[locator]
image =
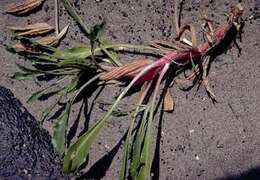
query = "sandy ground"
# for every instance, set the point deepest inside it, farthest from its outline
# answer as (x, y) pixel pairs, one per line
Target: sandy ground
(199, 140)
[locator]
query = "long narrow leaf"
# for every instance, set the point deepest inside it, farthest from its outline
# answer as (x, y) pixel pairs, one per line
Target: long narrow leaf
(34, 44)
(128, 143)
(56, 71)
(80, 52)
(60, 130)
(73, 84)
(35, 96)
(145, 159)
(23, 76)
(75, 16)
(27, 70)
(78, 152)
(48, 110)
(113, 57)
(80, 63)
(137, 146)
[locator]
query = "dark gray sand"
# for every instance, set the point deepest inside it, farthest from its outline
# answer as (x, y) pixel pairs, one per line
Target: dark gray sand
(25, 151)
(199, 140)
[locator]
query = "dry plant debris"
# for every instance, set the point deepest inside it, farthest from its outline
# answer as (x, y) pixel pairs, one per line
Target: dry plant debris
(32, 29)
(23, 7)
(53, 40)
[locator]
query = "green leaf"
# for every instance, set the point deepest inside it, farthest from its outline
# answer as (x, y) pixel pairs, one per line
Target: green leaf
(145, 159)
(113, 57)
(78, 151)
(26, 70)
(117, 112)
(35, 96)
(110, 52)
(75, 16)
(46, 112)
(81, 52)
(60, 130)
(193, 64)
(67, 89)
(123, 169)
(31, 72)
(94, 36)
(41, 58)
(73, 84)
(127, 145)
(23, 76)
(84, 64)
(137, 145)
(97, 32)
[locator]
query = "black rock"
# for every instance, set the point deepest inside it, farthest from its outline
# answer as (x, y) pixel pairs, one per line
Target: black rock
(26, 151)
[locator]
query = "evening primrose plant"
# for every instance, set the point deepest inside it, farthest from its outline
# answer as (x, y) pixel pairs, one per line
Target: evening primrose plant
(67, 67)
(99, 59)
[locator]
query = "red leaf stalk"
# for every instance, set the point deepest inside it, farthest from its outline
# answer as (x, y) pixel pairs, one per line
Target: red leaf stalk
(183, 56)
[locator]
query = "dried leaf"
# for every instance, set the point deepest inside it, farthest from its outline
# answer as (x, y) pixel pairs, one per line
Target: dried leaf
(23, 7)
(168, 103)
(53, 40)
(28, 27)
(63, 32)
(32, 29)
(48, 40)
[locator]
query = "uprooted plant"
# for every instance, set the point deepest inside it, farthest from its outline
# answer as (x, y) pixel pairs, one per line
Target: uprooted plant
(73, 64)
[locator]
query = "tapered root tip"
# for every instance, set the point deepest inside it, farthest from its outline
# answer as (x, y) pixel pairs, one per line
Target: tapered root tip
(239, 7)
(237, 11)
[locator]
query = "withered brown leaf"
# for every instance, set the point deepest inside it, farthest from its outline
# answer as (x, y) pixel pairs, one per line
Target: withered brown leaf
(48, 40)
(53, 40)
(32, 29)
(23, 7)
(168, 103)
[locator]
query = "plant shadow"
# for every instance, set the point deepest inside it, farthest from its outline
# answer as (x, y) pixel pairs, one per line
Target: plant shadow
(99, 169)
(87, 111)
(251, 174)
